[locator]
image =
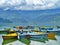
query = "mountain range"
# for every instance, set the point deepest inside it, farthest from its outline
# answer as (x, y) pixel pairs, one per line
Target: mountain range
(37, 17)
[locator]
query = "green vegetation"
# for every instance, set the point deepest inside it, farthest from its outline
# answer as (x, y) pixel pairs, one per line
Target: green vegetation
(24, 40)
(3, 32)
(7, 29)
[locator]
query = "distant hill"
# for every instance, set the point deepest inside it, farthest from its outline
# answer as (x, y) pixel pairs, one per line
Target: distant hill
(50, 19)
(19, 20)
(39, 17)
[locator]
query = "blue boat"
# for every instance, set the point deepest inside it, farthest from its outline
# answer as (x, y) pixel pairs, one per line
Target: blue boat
(33, 35)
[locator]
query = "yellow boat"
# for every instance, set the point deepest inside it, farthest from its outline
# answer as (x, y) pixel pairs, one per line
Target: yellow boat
(51, 36)
(11, 31)
(10, 36)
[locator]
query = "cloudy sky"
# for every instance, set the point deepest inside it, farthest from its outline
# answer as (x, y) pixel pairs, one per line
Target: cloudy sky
(37, 14)
(29, 4)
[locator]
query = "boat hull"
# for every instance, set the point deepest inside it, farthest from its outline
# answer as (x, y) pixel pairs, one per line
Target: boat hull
(9, 37)
(51, 36)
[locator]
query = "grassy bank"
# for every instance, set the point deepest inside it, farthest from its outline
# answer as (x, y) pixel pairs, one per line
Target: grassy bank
(3, 32)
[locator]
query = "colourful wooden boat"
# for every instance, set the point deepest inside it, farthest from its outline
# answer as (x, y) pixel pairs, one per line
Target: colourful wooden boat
(9, 36)
(35, 35)
(51, 36)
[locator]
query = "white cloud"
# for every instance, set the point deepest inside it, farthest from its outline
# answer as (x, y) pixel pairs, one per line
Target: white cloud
(29, 4)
